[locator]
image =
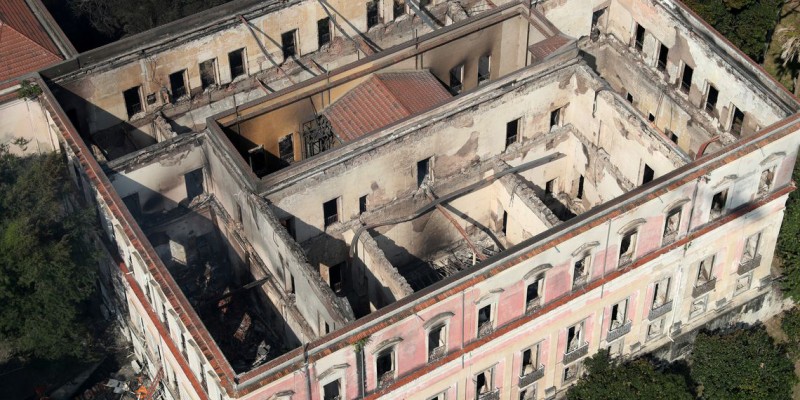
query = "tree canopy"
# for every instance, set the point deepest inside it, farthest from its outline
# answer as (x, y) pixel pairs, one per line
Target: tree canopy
(786, 248)
(745, 364)
(636, 379)
(46, 265)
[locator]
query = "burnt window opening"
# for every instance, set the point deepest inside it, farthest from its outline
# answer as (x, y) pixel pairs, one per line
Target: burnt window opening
(529, 393)
(289, 223)
(290, 284)
(627, 248)
(648, 174)
(398, 9)
(457, 79)
(660, 293)
(530, 360)
(533, 294)
(483, 383)
(504, 226)
(236, 62)
(423, 171)
(579, 195)
(384, 365)
(484, 68)
(574, 337)
(711, 99)
(336, 278)
(686, 78)
(512, 131)
(239, 215)
(629, 97)
(718, 203)
(663, 56)
(373, 18)
(580, 270)
(651, 117)
(286, 149)
(705, 270)
(639, 39)
(288, 44)
(750, 251)
(330, 211)
(257, 158)
(194, 183)
(766, 180)
(436, 342)
(331, 391)
(550, 187)
(737, 121)
(323, 31)
(132, 203)
(655, 329)
(672, 225)
(571, 373)
(672, 136)
(208, 73)
(317, 136)
(484, 320)
(555, 118)
(133, 101)
(618, 314)
(596, 17)
(177, 85)
(362, 204)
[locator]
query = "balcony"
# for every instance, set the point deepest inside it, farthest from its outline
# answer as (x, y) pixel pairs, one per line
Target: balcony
(670, 237)
(704, 287)
(748, 265)
(576, 354)
(618, 332)
(533, 305)
(436, 353)
(493, 395)
(485, 329)
(658, 311)
(534, 376)
(579, 281)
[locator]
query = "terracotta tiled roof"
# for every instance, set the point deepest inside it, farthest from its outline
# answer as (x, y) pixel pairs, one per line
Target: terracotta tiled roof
(540, 51)
(383, 99)
(25, 45)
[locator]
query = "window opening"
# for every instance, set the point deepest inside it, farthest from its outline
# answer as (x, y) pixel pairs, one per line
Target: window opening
(208, 73)
(648, 174)
(288, 44)
(512, 130)
(423, 170)
(718, 203)
(323, 32)
(686, 78)
(639, 41)
(133, 101)
(663, 55)
(484, 68)
(330, 209)
(579, 195)
(372, 14)
(177, 83)
(555, 118)
(711, 98)
(457, 79)
(738, 121)
(236, 61)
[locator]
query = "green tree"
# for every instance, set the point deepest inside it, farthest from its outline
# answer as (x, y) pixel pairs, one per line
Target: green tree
(636, 379)
(786, 248)
(790, 324)
(46, 265)
(745, 364)
(748, 24)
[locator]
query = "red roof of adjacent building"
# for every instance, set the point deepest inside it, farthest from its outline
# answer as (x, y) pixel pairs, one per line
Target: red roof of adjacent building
(541, 50)
(25, 45)
(384, 98)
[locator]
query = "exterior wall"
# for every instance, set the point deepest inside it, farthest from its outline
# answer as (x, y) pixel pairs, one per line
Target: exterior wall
(27, 120)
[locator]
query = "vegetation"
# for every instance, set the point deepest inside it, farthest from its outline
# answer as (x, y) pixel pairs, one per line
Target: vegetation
(744, 364)
(28, 90)
(636, 379)
(786, 248)
(46, 266)
(748, 24)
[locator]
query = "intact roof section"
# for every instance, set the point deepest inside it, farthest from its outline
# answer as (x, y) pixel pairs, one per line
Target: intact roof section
(25, 45)
(541, 50)
(17, 14)
(383, 99)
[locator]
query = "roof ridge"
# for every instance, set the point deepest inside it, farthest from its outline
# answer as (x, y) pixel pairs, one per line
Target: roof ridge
(394, 97)
(29, 39)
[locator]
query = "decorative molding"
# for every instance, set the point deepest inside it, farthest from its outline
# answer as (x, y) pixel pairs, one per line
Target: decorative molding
(539, 269)
(436, 319)
(631, 225)
(773, 158)
(676, 204)
(584, 247)
(386, 344)
(330, 371)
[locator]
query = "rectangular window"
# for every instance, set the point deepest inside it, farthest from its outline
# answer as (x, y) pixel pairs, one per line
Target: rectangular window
(571, 372)
(194, 183)
(751, 247)
(672, 136)
(286, 149)
(323, 31)
(550, 187)
(208, 73)
(686, 78)
(457, 79)
(660, 293)
(236, 61)
(651, 117)
(619, 313)
(705, 270)
(483, 383)
(133, 101)
(765, 182)
(423, 170)
(504, 226)
(485, 320)
(437, 344)
(288, 45)
(133, 205)
(629, 97)
(579, 195)
(332, 391)
(290, 284)
(362, 204)
(398, 9)
(648, 174)
(533, 294)
(529, 393)
(484, 68)
(655, 328)
(718, 204)
(737, 121)
(288, 223)
(627, 248)
(711, 99)
(384, 366)
(580, 271)
(555, 118)
(639, 39)
(743, 284)
(663, 56)
(330, 210)
(575, 337)
(177, 84)
(698, 307)
(373, 18)
(512, 130)
(671, 225)
(530, 360)
(336, 278)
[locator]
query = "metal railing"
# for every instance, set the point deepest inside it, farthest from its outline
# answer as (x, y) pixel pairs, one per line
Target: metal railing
(576, 354)
(656, 312)
(531, 377)
(749, 265)
(619, 332)
(704, 287)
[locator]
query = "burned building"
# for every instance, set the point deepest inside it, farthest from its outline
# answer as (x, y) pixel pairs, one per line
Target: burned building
(436, 200)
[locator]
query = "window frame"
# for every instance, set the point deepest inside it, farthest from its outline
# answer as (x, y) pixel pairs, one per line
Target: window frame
(128, 107)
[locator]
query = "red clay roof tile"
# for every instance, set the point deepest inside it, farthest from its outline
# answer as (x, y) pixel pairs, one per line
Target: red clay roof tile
(25, 45)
